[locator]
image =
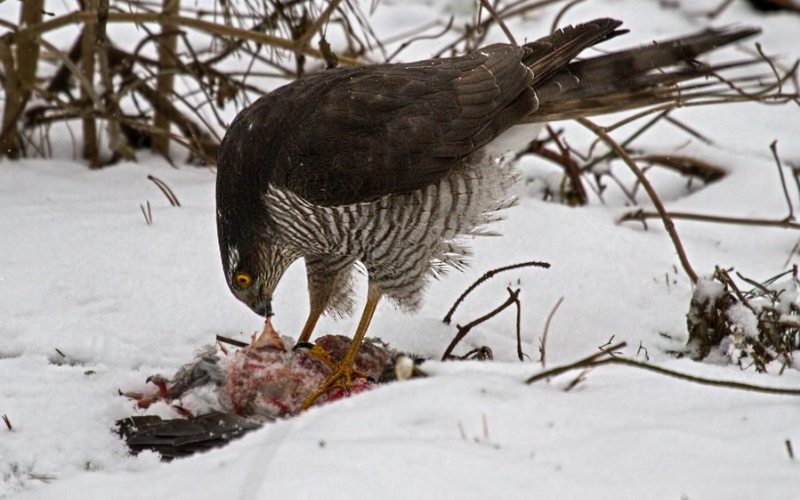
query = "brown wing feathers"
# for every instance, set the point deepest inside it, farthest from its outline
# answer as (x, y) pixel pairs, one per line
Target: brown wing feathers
(630, 78)
(355, 134)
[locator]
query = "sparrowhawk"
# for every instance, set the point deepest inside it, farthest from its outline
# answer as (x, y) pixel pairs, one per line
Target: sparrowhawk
(386, 164)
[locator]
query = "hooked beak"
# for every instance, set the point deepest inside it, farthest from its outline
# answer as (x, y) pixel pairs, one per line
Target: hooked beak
(263, 308)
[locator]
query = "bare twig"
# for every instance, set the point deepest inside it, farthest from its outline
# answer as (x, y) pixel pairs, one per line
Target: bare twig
(590, 363)
(643, 348)
(302, 42)
(88, 40)
(112, 108)
(409, 39)
(774, 148)
(689, 130)
(685, 165)
(167, 46)
(668, 224)
(487, 275)
(233, 342)
(792, 252)
(642, 215)
(543, 340)
(148, 214)
(464, 330)
(499, 20)
(19, 77)
(155, 17)
(482, 353)
(577, 195)
(582, 363)
(561, 13)
(713, 14)
(173, 200)
(577, 380)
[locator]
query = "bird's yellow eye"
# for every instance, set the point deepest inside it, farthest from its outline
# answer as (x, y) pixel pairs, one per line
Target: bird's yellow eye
(243, 280)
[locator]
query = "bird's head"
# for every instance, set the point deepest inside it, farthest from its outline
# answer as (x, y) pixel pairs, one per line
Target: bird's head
(253, 272)
(252, 259)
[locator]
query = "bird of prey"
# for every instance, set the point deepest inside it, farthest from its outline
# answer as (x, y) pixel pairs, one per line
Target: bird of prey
(386, 165)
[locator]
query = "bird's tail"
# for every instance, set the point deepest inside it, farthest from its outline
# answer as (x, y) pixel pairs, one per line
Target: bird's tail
(662, 72)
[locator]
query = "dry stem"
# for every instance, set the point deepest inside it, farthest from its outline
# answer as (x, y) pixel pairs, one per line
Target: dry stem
(464, 330)
(486, 276)
(668, 224)
(642, 215)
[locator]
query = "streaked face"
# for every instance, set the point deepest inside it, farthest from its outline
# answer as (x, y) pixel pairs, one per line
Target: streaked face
(246, 279)
(253, 273)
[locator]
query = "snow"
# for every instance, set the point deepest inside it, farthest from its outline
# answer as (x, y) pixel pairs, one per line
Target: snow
(81, 272)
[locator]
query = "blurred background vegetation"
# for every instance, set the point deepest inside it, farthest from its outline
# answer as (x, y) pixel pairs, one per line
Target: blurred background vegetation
(157, 74)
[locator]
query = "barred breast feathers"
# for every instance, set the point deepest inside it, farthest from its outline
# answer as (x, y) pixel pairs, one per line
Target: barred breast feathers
(405, 239)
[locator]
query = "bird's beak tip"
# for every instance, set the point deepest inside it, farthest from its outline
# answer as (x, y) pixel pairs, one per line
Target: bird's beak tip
(264, 308)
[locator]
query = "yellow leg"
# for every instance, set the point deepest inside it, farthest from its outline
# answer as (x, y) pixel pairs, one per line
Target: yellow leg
(343, 371)
(311, 322)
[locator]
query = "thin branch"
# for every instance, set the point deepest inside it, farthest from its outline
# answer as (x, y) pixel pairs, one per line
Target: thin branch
(521, 355)
(464, 330)
(146, 17)
(642, 215)
(774, 148)
(499, 20)
(487, 275)
(165, 78)
(668, 224)
(410, 39)
(571, 169)
(83, 79)
(302, 42)
(561, 13)
(233, 342)
(641, 130)
(582, 363)
(148, 213)
(173, 200)
(792, 252)
(689, 130)
(591, 363)
(543, 341)
(685, 165)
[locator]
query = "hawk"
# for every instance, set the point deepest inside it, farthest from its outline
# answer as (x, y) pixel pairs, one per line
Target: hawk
(386, 165)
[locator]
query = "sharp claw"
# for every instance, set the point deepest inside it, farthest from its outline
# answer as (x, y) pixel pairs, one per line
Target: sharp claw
(303, 345)
(343, 375)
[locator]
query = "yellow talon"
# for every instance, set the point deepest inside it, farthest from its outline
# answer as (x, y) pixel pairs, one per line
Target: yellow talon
(343, 375)
(343, 371)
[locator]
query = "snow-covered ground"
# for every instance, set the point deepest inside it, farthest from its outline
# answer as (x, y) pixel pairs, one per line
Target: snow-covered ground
(82, 273)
